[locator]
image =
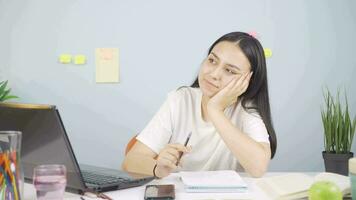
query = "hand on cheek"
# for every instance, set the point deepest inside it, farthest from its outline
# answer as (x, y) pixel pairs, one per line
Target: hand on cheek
(229, 94)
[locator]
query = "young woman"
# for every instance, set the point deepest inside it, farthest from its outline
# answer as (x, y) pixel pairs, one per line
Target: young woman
(226, 110)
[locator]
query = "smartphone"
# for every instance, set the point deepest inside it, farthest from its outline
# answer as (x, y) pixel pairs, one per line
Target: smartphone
(153, 192)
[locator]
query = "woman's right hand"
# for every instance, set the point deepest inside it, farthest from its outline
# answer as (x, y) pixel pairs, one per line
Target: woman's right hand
(167, 159)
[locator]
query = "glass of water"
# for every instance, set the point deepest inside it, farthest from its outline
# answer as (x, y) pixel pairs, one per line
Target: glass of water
(50, 181)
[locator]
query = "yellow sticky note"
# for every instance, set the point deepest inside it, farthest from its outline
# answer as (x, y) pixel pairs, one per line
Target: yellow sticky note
(65, 58)
(268, 52)
(79, 59)
(107, 65)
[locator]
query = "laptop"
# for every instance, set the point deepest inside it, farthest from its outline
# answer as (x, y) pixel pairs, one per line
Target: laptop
(45, 141)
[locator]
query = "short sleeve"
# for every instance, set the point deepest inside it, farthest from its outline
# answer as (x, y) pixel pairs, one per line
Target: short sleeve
(159, 130)
(254, 127)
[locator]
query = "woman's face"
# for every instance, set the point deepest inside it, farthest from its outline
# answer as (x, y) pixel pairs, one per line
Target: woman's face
(225, 61)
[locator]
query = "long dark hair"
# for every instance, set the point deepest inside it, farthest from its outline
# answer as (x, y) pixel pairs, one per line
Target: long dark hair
(257, 91)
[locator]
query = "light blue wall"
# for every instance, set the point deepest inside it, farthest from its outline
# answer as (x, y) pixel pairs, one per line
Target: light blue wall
(162, 44)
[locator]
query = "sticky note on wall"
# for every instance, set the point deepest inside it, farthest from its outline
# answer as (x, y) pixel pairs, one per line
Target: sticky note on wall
(79, 59)
(65, 58)
(107, 65)
(253, 34)
(268, 52)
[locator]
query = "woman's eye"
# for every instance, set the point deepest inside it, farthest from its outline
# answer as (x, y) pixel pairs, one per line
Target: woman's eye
(230, 71)
(211, 60)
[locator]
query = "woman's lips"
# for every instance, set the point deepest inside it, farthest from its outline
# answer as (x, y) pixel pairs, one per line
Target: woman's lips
(211, 85)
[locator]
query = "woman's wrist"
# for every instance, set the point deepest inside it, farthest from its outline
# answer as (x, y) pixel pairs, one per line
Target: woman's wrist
(212, 107)
(213, 110)
(215, 115)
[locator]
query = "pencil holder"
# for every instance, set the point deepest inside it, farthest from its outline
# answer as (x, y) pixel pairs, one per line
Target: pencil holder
(11, 175)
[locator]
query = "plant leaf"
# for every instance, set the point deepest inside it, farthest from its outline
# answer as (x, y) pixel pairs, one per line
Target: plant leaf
(2, 87)
(10, 97)
(6, 92)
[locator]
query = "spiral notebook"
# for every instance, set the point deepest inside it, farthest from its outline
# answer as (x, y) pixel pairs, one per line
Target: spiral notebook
(213, 181)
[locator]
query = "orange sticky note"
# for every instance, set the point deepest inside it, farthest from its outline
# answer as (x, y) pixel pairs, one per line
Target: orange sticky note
(106, 53)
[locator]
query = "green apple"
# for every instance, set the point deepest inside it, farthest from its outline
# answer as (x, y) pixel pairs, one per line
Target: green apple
(324, 190)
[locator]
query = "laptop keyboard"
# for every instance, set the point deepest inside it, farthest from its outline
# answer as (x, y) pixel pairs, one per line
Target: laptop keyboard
(101, 179)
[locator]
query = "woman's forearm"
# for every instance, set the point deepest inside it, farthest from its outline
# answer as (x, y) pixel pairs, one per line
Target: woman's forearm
(138, 163)
(253, 156)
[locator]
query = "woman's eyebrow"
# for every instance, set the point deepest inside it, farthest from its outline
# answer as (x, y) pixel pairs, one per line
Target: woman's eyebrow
(230, 65)
(212, 53)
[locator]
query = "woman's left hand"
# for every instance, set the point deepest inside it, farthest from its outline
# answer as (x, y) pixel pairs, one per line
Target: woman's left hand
(229, 94)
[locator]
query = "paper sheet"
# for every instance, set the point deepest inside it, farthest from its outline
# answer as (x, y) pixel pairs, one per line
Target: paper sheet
(107, 65)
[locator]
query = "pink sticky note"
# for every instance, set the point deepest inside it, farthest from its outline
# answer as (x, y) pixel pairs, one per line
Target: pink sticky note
(253, 34)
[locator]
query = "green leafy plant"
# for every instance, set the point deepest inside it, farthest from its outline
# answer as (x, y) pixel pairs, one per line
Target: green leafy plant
(4, 92)
(339, 129)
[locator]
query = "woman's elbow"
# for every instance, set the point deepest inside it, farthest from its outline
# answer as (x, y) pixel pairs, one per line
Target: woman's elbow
(257, 173)
(125, 165)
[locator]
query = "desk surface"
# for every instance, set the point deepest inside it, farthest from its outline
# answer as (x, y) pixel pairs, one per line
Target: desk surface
(138, 192)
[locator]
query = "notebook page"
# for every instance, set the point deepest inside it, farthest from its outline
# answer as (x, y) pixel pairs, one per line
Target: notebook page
(285, 185)
(342, 181)
(223, 178)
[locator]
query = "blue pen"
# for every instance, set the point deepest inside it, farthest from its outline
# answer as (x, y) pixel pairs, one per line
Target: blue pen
(185, 144)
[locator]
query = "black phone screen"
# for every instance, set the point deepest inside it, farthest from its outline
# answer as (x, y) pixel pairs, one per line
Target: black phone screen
(159, 192)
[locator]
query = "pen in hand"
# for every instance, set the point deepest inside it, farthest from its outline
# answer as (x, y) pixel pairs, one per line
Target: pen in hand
(185, 144)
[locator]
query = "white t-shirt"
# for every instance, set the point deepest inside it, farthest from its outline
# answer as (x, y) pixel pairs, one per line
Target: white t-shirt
(181, 114)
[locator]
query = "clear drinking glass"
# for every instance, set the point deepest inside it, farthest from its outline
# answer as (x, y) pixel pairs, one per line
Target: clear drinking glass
(50, 181)
(11, 175)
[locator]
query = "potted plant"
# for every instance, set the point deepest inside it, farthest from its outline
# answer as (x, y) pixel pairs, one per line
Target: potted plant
(339, 131)
(4, 92)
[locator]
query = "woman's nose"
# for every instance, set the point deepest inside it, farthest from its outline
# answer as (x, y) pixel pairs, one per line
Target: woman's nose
(216, 73)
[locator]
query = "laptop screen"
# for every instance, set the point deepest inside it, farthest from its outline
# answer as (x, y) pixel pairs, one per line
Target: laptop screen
(43, 139)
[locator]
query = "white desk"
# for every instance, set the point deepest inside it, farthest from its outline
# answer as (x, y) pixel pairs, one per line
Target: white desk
(137, 193)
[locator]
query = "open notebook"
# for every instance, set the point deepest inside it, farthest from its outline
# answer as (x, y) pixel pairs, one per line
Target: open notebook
(213, 181)
(296, 185)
